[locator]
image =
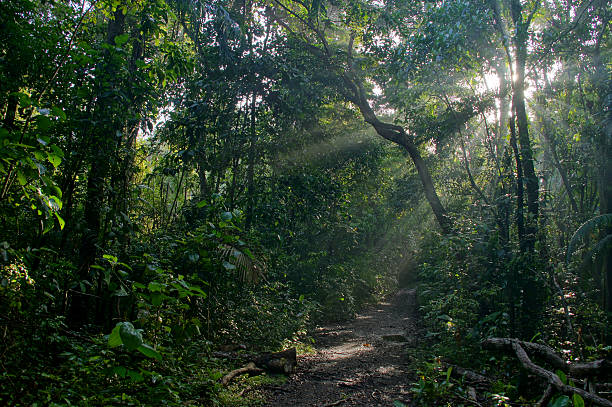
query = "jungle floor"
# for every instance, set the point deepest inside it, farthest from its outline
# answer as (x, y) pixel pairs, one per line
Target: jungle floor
(359, 363)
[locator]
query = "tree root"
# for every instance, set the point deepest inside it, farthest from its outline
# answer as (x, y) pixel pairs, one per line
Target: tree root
(549, 355)
(250, 369)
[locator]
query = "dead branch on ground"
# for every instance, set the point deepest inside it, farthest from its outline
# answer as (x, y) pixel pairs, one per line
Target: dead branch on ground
(520, 348)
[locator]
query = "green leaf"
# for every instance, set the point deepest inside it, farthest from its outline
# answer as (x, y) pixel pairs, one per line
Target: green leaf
(577, 400)
(226, 216)
(156, 299)
(110, 258)
(120, 371)
(562, 401)
(198, 290)
(114, 339)
(562, 376)
(228, 266)
(398, 404)
(54, 159)
(131, 337)
(43, 123)
(58, 112)
(21, 178)
(61, 221)
(135, 376)
(57, 151)
(155, 286)
(148, 351)
(121, 39)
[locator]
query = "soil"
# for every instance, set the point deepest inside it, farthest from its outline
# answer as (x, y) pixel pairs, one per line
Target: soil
(359, 363)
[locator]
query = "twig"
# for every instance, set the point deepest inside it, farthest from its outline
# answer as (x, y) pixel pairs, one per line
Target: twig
(336, 403)
(468, 400)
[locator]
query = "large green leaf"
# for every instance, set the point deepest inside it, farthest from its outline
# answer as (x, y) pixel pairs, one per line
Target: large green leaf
(562, 401)
(131, 337)
(148, 351)
(60, 220)
(114, 339)
(121, 39)
(54, 159)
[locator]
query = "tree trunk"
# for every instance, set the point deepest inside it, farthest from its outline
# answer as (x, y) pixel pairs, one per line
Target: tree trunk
(518, 102)
(101, 158)
(355, 93)
(605, 179)
(520, 219)
(251, 167)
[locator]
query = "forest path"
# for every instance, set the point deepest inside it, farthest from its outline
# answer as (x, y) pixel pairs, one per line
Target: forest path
(359, 363)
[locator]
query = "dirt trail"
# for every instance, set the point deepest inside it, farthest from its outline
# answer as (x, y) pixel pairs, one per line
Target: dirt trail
(360, 363)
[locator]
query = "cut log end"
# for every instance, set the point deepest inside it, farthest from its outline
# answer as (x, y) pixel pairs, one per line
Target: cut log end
(279, 362)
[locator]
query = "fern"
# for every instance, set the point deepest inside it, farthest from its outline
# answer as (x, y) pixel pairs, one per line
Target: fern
(586, 229)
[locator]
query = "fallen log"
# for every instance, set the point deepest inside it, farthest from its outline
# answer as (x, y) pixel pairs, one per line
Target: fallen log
(278, 362)
(600, 367)
(554, 382)
(250, 369)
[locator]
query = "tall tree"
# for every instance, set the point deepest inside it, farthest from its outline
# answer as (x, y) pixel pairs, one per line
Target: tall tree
(316, 34)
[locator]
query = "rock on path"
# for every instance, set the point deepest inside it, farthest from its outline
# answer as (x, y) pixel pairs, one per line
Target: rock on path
(360, 363)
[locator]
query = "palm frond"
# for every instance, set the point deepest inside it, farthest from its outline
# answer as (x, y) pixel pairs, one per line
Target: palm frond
(585, 230)
(249, 269)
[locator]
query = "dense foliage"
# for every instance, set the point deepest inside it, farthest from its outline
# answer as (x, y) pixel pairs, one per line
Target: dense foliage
(178, 175)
